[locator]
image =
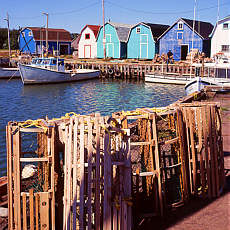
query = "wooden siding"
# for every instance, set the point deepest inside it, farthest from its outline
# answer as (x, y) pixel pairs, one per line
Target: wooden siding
(170, 42)
(141, 49)
(112, 43)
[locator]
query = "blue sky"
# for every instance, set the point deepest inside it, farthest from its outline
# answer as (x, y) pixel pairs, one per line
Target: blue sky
(73, 15)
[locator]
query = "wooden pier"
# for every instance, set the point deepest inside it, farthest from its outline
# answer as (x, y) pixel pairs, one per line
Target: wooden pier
(95, 172)
(139, 70)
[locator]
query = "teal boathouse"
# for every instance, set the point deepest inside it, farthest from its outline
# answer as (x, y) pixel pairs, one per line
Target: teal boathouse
(142, 41)
(116, 37)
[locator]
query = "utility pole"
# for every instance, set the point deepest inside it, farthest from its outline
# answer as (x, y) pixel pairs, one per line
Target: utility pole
(8, 25)
(47, 18)
(103, 10)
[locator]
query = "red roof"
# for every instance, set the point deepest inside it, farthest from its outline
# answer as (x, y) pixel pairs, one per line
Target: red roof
(94, 28)
(53, 34)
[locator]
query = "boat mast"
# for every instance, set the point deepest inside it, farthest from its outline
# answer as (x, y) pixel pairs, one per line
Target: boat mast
(47, 18)
(103, 10)
(193, 28)
(8, 26)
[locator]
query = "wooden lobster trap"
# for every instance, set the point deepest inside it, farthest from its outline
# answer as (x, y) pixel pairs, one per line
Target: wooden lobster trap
(30, 170)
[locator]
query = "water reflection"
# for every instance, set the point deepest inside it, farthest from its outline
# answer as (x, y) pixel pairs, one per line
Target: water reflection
(19, 103)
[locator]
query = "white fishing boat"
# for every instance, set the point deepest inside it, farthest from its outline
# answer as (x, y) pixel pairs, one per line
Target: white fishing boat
(52, 70)
(6, 73)
(198, 83)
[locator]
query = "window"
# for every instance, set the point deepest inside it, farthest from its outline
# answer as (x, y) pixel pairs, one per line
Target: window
(179, 35)
(87, 36)
(225, 48)
(180, 25)
(225, 26)
(138, 30)
(30, 33)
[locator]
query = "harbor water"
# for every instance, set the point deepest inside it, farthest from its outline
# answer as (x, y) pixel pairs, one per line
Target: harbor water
(19, 103)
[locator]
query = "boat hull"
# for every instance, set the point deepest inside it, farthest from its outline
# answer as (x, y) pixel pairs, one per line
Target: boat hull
(37, 75)
(164, 79)
(199, 83)
(6, 73)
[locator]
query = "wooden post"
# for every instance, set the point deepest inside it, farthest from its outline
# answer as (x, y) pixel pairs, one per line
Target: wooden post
(24, 211)
(44, 209)
(157, 160)
(31, 198)
(9, 176)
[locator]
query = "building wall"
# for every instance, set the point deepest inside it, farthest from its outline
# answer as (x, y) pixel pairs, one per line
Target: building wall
(170, 41)
(141, 45)
(87, 42)
(113, 47)
(27, 43)
(220, 37)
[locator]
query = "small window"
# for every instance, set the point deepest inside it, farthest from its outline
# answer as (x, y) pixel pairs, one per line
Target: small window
(30, 33)
(138, 30)
(225, 26)
(87, 36)
(225, 48)
(180, 25)
(179, 36)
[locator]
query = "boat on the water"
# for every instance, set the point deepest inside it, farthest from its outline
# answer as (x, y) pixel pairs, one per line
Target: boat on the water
(6, 73)
(52, 70)
(198, 83)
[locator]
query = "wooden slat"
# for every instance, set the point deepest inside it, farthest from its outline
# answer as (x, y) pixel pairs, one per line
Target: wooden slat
(183, 153)
(37, 210)
(215, 148)
(52, 152)
(157, 161)
(31, 199)
(44, 210)
(75, 154)
(211, 148)
(200, 145)
(90, 154)
(82, 170)
(194, 169)
(97, 192)
(9, 176)
(17, 179)
(205, 134)
(24, 212)
(106, 213)
(42, 159)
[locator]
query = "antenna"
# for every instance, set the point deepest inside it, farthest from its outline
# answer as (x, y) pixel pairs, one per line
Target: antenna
(8, 26)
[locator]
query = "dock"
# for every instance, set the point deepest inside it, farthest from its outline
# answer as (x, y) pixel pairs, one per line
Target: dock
(142, 70)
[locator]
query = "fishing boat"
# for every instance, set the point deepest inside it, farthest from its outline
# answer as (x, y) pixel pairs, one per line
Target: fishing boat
(52, 70)
(6, 73)
(198, 83)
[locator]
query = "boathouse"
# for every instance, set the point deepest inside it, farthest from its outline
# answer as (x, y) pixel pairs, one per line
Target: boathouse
(116, 37)
(142, 41)
(220, 37)
(180, 38)
(87, 47)
(32, 40)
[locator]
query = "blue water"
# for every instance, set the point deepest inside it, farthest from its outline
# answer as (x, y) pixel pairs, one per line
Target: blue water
(19, 103)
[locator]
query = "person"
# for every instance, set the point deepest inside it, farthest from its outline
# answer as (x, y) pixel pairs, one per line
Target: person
(169, 57)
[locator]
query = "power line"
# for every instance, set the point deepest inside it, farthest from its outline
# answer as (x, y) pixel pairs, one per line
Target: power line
(163, 12)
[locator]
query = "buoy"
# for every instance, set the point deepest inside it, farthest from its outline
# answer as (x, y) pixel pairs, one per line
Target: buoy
(28, 171)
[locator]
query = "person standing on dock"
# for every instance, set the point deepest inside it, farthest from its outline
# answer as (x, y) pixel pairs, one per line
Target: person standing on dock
(169, 57)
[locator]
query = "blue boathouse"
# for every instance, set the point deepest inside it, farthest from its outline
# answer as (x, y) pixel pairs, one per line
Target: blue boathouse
(142, 41)
(179, 38)
(32, 40)
(116, 36)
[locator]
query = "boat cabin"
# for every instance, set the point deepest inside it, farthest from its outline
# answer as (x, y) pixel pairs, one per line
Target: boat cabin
(49, 63)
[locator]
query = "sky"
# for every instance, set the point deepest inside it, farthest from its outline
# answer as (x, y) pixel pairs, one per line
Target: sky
(73, 15)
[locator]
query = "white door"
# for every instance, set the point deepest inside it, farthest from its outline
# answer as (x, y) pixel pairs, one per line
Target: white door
(87, 51)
